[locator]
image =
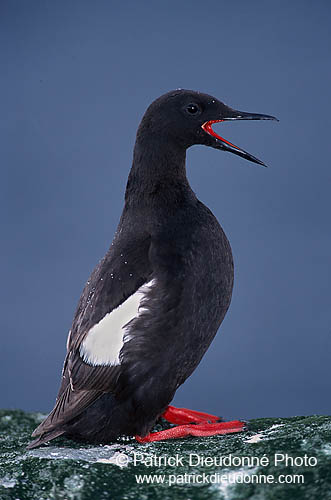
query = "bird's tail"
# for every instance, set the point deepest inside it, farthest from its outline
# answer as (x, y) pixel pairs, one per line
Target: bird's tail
(44, 438)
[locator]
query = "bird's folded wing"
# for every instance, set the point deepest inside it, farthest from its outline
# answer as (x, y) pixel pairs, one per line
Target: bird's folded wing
(92, 378)
(85, 378)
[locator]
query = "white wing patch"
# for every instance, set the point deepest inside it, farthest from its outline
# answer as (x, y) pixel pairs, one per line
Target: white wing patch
(104, 341)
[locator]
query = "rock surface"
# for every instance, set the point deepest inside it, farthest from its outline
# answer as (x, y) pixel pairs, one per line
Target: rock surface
(276, 458)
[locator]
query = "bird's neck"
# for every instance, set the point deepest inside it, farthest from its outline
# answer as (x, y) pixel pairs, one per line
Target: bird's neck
(158, 174)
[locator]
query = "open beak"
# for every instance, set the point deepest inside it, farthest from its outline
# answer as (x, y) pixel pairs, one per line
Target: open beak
(228, 146)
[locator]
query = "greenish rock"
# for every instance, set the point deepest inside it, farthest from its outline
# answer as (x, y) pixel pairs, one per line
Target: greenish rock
(294, 450)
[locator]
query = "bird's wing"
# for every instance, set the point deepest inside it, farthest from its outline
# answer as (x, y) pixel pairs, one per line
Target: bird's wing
(109, 301)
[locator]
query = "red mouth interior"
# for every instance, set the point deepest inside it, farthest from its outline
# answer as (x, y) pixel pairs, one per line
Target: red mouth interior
(207, 128)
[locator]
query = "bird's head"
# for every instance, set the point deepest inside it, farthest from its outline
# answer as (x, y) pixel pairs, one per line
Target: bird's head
(186, 117)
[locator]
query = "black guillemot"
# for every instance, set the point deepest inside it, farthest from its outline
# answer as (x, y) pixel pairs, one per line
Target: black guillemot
(154, 303)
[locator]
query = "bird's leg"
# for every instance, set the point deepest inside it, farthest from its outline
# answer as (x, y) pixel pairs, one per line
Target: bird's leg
(202, 429)
(184, 416)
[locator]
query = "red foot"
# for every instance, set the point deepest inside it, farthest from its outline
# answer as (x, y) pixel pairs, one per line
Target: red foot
(184, 416)
(202, 429)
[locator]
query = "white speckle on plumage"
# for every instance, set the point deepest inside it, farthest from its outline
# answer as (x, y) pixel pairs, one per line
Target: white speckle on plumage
(104, 341)
(70, 375)
(68, 339)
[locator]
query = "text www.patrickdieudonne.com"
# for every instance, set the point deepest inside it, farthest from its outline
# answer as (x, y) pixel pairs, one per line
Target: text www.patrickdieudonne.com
(237, 477)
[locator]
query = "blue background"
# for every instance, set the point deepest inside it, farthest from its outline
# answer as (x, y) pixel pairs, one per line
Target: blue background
(76, 78)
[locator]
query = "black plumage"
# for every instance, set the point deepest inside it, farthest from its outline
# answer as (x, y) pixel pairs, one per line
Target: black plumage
(168, 239)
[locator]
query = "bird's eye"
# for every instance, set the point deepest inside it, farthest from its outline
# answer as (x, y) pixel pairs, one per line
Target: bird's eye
(193, 109)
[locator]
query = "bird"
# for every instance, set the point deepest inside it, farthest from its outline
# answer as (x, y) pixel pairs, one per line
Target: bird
(154, 303)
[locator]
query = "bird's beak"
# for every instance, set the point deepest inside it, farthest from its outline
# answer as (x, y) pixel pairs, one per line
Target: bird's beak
(228, 146)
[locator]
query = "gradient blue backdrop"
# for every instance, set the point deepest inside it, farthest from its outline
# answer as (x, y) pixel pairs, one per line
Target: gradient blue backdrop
(76, 78)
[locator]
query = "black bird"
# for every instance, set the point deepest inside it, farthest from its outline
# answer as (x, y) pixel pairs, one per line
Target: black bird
(154, 303)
